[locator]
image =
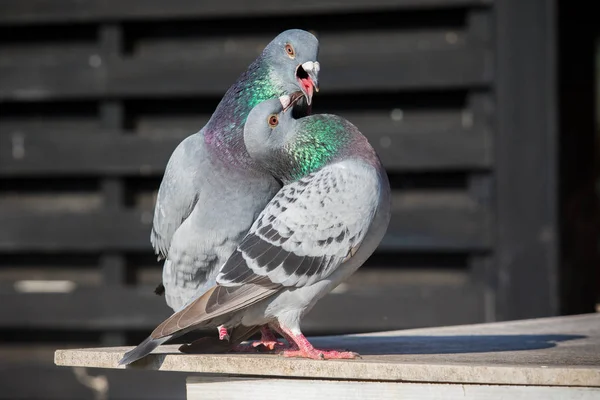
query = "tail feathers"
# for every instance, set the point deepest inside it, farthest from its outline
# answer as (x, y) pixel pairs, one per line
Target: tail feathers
(142, 350)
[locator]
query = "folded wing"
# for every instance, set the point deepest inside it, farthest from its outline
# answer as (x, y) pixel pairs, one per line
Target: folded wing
(304, 233)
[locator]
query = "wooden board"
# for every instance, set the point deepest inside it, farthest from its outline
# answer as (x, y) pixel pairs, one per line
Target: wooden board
(415, 225)
(308, 389)
(402, 146)
(53, 383)
(40, 11)
(560, 351)
(528, 229)
(131, 77)
(380, 307)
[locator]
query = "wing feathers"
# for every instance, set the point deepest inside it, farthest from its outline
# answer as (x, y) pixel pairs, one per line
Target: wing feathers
(298, 239)
(178, 193)
(216, 302)
(308, 228)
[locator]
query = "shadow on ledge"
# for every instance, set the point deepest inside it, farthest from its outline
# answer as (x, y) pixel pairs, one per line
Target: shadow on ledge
(414, 345)
(453, 344)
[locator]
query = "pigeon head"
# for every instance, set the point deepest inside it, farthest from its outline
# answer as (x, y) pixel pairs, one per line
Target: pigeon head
(292, 55)
(291, 148)
(266, 129)
(286, 66)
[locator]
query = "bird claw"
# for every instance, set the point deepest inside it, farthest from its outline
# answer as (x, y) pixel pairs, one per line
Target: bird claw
(269, 344)
(223, 334)
(260, 347)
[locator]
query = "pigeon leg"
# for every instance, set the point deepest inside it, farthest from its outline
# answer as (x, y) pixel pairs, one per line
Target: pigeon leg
(268, 339)
(292, 344)
(306, 350)
(223, 334)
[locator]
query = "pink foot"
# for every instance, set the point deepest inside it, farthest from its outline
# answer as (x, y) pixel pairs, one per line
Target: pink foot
(268, 340)
(259, 347)
(270, 345)
(267, 343)
(317, 354)
(223, 334)
(301, 347)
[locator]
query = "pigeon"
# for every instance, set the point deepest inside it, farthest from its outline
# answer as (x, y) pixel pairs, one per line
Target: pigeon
(212, 191)
(322, 225)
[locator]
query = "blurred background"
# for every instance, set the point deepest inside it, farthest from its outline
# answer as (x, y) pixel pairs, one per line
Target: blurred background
(484, 114)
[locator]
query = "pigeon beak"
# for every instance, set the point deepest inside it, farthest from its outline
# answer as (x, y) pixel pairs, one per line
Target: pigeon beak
(285, 101)
(288, 102)
(307, 75)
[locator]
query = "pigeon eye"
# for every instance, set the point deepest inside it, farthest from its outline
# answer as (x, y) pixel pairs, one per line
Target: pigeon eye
(273, 120)
(289, 49)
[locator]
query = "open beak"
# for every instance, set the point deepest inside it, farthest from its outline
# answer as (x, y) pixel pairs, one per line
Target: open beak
(307, 75)
(288, 102)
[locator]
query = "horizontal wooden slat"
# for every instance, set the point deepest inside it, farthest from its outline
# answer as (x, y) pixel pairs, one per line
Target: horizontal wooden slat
(385, 72)
(375, 307)
(108, 308)
(426, 222)
(52, 382)
(44, 53)
(425, 145)
(60, 232)
(42, 11)
(51, 81)
(238, 48)
(88, 275)
(401, 307)
(402, 146)
(45, 121)
(60, 383)
(83, 154)
(331, 43)
(445, 223)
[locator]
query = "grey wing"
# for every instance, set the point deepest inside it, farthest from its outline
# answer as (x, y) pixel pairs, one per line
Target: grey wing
(309, 228)
(178, 193)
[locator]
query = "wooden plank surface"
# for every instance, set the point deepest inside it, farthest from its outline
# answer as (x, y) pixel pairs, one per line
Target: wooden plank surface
(341, 73)
(43, 11)
(416, 225)
(370, 40)
(53, 383)
(528, 238)
(380, 307)
(133, 77)
(403, 146)
(199, 388)
(106, 308)
(560, 351)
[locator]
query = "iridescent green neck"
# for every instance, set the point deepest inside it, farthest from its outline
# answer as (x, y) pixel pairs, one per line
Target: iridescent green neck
(320, 139)
(225, 130)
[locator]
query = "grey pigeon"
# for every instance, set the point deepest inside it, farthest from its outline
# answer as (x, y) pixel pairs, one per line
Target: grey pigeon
(212, 190)
(327, 219)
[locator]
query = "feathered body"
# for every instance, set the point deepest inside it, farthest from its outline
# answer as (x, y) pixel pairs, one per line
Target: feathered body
(321, 226)
(212, 190)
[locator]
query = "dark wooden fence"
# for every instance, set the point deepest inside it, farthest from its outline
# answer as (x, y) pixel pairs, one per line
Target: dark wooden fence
(95, 95)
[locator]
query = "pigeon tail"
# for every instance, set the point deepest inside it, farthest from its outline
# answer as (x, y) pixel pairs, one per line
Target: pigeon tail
(143, 349)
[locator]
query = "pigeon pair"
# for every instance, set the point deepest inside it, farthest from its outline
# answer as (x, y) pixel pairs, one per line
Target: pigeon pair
(265, 210)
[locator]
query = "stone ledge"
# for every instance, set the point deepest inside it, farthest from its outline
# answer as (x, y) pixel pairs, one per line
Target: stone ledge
(560, 351)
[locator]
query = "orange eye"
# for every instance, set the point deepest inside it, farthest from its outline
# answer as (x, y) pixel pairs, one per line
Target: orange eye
(273, 120)
(289, 49)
